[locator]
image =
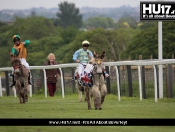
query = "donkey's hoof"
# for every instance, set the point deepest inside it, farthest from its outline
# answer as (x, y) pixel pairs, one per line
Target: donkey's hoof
(100, 108)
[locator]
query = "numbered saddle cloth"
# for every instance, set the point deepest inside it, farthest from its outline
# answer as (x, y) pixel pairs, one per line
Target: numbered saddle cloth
(87, 77)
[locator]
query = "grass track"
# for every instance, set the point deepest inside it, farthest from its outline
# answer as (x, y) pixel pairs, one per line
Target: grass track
(69, 107)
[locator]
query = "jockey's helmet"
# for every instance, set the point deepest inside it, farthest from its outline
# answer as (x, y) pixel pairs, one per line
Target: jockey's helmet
(86, 43)
(16, 38)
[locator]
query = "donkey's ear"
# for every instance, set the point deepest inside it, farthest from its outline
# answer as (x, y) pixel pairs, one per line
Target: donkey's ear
(89, 56)
(103, 54)
(94, 54)
(11, 55)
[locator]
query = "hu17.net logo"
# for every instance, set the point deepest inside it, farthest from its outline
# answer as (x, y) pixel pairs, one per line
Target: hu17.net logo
(157, 10)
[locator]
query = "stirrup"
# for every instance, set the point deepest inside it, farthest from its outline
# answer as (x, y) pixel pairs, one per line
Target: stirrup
(74, 78)
(30, 82)
(79, 82)
(13, 84)
(10, 74)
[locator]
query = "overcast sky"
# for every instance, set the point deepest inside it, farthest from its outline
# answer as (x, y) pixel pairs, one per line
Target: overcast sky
(26, 4)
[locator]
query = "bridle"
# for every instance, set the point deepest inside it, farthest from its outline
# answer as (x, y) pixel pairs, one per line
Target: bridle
(18, 66)
(94, 70)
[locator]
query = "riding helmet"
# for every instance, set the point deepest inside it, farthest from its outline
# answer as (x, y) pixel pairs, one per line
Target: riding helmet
(16, 37)
(85, 42)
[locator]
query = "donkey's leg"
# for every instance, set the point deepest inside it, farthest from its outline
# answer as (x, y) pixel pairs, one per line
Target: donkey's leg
(103, 93)
(25, 95)
(84, 94)
(19, 96)
(18, 90)
(23, 99)
(22, 93)
(88, 99)
(97, 97)
(26, 89)
(20, 99)
(80, 95)
(79, 92)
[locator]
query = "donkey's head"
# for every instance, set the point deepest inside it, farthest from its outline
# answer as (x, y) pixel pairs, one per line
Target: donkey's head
(98, 61)
(16, 64)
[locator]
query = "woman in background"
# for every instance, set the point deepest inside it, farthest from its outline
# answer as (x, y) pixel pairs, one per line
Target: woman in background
(51, 74)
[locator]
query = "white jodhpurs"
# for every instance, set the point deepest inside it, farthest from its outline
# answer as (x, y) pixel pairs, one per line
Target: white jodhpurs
(24, 62)
(81, 69)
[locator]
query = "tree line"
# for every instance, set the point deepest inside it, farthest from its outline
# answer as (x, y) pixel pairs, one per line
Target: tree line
(63, 36)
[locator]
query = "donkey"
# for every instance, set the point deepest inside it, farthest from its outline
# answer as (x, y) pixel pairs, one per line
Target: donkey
(21, 78)
(80, 89)
(98, 89)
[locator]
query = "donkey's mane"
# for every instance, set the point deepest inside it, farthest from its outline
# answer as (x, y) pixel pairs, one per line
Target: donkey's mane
(15, 60)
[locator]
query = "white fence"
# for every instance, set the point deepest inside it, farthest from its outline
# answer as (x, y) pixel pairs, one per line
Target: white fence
(138, 63)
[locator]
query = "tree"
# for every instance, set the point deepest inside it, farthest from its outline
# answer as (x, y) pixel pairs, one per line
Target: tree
(168, 39)
(145, 43)
(102, 22)
(145, 25)
(68, 34)
(2, 23)
(69, 15)
(123, 38)
(33, 14)
(127, 22)
(31, 27)
(100, 40)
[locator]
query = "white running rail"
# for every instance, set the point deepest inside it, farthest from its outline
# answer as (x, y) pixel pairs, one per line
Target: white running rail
(118, 63)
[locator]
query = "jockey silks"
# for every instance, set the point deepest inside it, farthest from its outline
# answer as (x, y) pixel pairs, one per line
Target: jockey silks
(22, 49)
(82, 55)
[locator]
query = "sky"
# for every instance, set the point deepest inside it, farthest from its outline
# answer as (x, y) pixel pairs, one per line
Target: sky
(27, 4)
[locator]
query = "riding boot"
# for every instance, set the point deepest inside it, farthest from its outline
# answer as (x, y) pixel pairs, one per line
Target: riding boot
(80, 81)
(14, 82)
(74, 78)
(29, 79)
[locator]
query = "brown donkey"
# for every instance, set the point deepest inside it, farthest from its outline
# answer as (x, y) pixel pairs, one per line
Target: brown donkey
(98, 90)
(21, 78)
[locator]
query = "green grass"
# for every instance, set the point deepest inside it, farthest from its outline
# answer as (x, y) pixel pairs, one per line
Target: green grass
(69, 107)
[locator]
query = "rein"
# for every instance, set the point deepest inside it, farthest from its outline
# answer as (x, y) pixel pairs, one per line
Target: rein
(16, 67)
(83, 64)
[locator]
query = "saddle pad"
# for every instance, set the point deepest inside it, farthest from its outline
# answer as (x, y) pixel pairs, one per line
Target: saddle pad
(86, 80)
